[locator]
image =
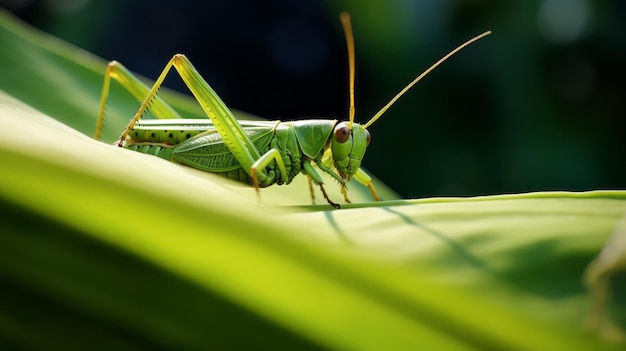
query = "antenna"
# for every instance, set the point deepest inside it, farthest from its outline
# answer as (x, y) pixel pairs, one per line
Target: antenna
(347, 29)
(395, 98)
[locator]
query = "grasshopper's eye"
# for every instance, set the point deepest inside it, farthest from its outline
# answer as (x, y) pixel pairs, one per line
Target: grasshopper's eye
(342, 133)
(368, 138)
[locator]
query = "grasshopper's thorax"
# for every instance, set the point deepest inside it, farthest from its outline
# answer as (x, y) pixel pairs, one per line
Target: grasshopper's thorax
(348, 148)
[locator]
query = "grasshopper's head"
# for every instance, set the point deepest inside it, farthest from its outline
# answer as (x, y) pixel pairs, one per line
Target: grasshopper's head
(350, 139)
(348, 148)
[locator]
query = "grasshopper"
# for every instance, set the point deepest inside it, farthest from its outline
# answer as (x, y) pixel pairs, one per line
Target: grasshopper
(259, 153)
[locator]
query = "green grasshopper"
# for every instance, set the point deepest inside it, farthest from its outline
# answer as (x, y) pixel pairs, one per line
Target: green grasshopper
(259, 153)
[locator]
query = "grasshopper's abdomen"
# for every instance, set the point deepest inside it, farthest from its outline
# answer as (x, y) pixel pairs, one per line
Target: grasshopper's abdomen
(159, 150)
(165, 151)
(168, 136)
(198, 145)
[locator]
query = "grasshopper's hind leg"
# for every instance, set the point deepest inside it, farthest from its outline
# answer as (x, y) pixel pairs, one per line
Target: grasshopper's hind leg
(233, 135)
(128, 81)
(231, 132)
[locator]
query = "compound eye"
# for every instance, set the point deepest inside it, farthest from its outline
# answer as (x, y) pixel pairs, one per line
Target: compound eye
(368, 138)
(342, 133)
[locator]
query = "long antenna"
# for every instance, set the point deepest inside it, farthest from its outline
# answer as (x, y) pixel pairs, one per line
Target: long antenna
(395, 98)
(347, 29)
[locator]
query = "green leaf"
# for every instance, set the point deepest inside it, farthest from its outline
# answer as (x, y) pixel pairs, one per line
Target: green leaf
(104, 248)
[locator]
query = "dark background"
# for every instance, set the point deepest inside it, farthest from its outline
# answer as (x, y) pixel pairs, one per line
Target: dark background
(538, 105)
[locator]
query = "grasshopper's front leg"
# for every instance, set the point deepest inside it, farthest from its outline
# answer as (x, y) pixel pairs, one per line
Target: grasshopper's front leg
(362, 177)
(317, 179)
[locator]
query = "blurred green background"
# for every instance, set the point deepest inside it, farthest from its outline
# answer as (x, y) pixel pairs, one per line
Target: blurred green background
(539, 105)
